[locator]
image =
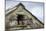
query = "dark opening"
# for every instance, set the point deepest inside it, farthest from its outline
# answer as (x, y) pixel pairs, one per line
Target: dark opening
(20, 18)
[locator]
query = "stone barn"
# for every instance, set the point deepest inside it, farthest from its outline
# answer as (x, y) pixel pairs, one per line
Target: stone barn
(19, 17)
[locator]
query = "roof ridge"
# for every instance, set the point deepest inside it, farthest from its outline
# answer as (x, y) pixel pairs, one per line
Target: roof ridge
(15, 6)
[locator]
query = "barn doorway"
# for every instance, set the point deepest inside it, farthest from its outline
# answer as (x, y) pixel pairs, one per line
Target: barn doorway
(20, 18)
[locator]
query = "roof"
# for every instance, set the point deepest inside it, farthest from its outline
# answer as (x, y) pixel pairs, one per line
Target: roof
(9, 11)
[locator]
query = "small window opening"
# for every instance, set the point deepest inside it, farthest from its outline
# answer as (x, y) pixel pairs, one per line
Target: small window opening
(20, 18)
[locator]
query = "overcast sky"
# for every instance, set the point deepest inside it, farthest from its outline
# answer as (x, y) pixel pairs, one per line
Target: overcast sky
(34, 7)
